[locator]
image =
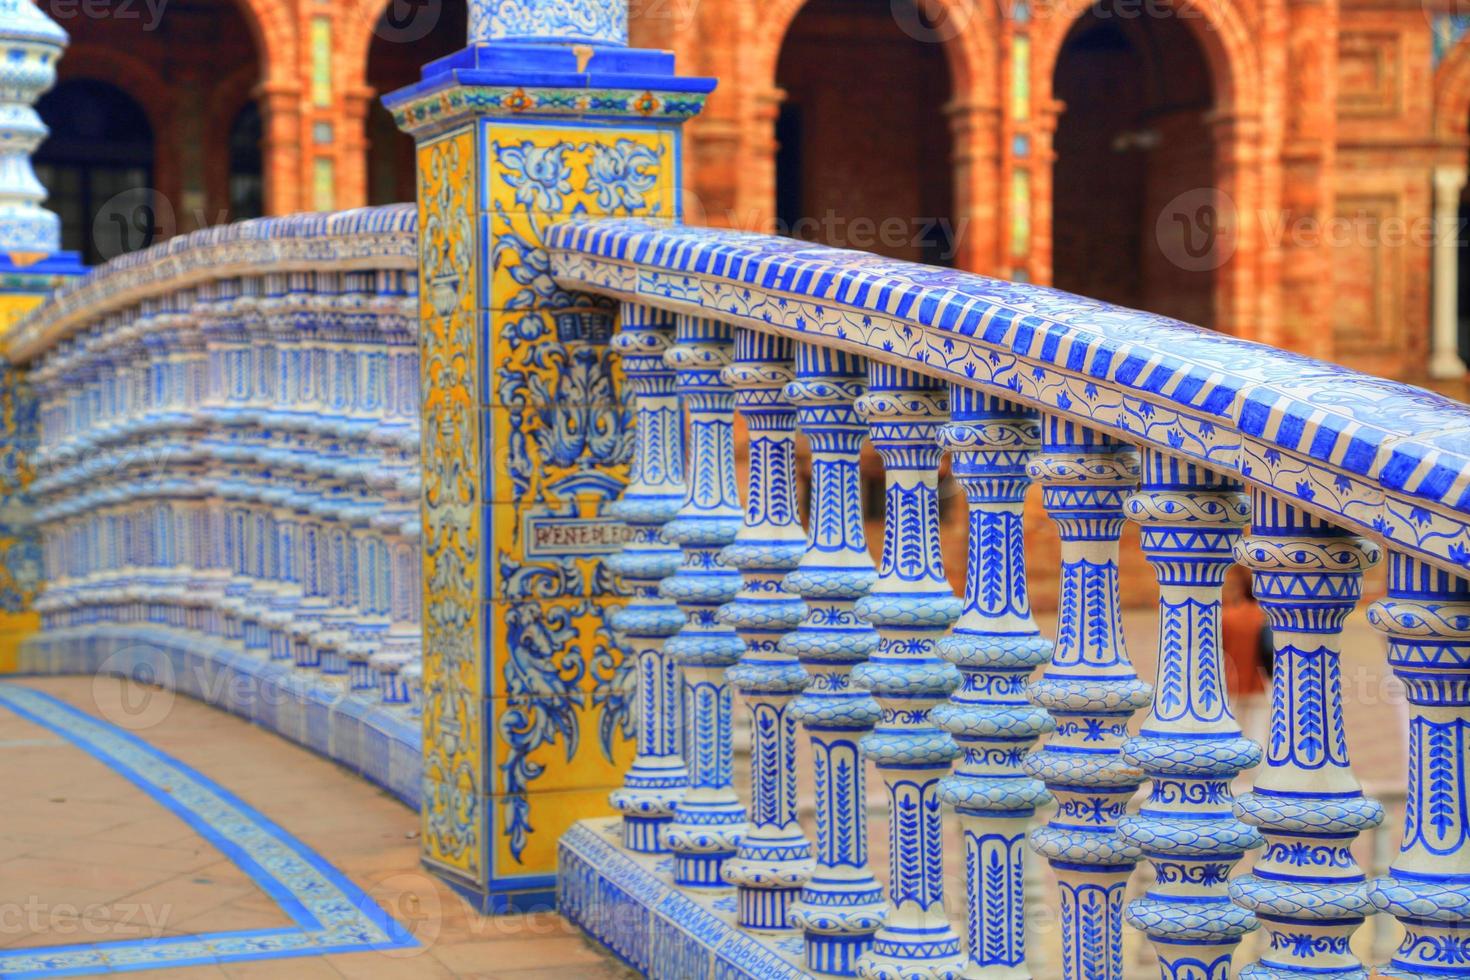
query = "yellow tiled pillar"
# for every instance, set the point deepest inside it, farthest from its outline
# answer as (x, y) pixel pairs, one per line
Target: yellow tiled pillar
(526, 435)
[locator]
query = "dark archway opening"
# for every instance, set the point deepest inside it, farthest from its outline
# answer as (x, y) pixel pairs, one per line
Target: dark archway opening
(247, 167)
(409, 35)
(864, 158)
(1134, 144)
(100, 150)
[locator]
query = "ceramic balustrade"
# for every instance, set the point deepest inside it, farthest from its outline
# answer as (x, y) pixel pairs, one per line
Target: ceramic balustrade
(996, 645)
(774, 859)
(1191, 435)
(1190, 745)
(842, 905)
(709, 819)
(229, 462)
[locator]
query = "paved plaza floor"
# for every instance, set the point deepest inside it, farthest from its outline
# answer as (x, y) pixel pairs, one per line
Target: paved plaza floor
(140, 829)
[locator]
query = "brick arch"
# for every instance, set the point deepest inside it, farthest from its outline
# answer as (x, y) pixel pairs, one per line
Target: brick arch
(1452, 93)
(975, 93)
(274, 34)
(1225, 38)
(225, 103)
(137, 79)
(970, 52)
(1233, 62)
(357, 39)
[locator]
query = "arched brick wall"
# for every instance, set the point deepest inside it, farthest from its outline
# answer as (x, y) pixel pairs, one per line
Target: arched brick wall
(1233, 58)
(968, 35)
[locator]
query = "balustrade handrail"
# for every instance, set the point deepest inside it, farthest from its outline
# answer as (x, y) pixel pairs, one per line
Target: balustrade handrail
(370, 238)
(1384, 458)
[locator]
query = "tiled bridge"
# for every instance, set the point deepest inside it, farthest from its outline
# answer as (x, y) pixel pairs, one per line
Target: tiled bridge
(449, 495)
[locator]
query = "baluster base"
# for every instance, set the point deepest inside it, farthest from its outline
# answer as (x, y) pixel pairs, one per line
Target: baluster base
(838, 917)
(769, 870)
(703, 835)
(644, 834)
(765, 909)
(701, 870)
(651, 790)
(836, 955)
(914, 954)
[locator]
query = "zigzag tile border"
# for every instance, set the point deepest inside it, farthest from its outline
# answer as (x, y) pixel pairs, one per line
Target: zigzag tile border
(329, 912)
(625, 901)
(381, 744)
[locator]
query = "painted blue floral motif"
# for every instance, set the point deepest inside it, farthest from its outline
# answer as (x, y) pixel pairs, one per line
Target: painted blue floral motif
(598, 21)
(540, 175)
(621, 175)
(542, 676)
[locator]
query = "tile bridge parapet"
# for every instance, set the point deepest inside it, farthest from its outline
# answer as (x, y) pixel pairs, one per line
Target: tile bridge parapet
(1223, 451)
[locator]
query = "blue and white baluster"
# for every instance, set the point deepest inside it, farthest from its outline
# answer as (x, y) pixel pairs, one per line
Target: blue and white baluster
(1427, 619)
(654, 495)
(842, 904)
(912, 607)
(1091, 690)
(995, 645)
(708, 820)
(774, 859)
(1190, 745)
(1307, 890)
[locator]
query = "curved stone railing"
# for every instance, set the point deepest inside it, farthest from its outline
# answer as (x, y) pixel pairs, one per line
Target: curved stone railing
(228, 477)
(1221, 451)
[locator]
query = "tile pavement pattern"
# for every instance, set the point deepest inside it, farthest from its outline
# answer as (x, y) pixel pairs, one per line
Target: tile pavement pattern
(103, 863)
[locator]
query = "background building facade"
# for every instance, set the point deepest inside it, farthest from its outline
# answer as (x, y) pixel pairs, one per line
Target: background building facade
(1189, 157)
